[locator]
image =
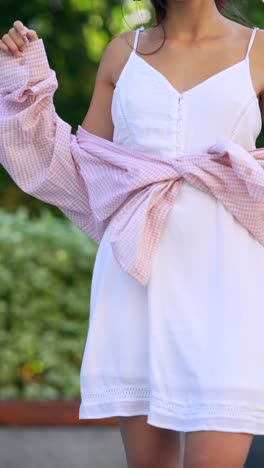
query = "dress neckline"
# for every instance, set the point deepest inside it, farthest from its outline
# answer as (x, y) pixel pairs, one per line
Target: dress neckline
(169, 85)
(244, 61)
(154, 70)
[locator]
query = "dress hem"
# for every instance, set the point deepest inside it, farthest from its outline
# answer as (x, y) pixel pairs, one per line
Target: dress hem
(173, 420)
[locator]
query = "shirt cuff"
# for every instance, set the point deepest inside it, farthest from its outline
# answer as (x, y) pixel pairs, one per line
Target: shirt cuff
(32, 68)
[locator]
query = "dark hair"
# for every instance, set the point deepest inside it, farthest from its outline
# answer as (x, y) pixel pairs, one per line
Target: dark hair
(229, 7)
(160, 7)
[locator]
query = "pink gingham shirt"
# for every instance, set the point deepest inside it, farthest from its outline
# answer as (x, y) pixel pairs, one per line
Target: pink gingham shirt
(93, 180)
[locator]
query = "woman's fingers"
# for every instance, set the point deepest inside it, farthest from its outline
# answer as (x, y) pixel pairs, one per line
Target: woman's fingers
(24, 31)
(3, 46)
(16, 38)
(19, 26)
(12, 46)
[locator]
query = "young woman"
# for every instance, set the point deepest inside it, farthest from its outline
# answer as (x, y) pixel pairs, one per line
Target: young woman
(184, 353)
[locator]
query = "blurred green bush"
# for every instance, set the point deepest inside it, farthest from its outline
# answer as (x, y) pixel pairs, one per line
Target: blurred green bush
(45, 277)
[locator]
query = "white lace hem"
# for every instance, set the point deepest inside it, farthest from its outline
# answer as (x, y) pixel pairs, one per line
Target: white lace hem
(226, 415)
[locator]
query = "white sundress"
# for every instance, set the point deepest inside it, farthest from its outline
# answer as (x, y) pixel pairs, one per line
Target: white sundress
(187, 350)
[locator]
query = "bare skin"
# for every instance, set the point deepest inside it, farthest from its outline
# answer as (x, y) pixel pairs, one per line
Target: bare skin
(149, 446)
(196, 34)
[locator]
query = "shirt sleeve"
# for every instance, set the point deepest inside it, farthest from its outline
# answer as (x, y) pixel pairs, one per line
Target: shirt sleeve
(35, 143)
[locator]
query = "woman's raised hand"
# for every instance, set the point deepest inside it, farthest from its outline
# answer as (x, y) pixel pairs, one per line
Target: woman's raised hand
(16, 38)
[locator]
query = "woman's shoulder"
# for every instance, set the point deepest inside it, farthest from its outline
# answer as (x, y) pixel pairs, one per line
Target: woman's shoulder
(119, 49)
(256, 59)
(243, 31)
(148, 36)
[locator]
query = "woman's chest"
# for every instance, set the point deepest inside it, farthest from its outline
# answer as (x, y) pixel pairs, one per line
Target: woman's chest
(147, 110)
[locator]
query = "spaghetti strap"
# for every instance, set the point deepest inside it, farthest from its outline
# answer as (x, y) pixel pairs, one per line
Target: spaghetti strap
(136, 36)
(251, 40)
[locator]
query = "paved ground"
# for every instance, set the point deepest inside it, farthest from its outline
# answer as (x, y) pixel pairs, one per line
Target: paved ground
(44, 447)
(49, 447)
(85, 447)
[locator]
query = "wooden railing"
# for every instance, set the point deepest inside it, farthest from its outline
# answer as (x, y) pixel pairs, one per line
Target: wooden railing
(48, 412)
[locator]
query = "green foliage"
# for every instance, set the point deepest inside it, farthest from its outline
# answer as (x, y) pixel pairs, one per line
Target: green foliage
(45, 276)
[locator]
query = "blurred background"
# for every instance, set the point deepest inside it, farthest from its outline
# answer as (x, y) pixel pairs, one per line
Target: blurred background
(46, 263)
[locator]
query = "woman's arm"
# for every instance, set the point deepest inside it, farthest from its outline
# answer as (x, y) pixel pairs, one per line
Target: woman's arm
(35, 143)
